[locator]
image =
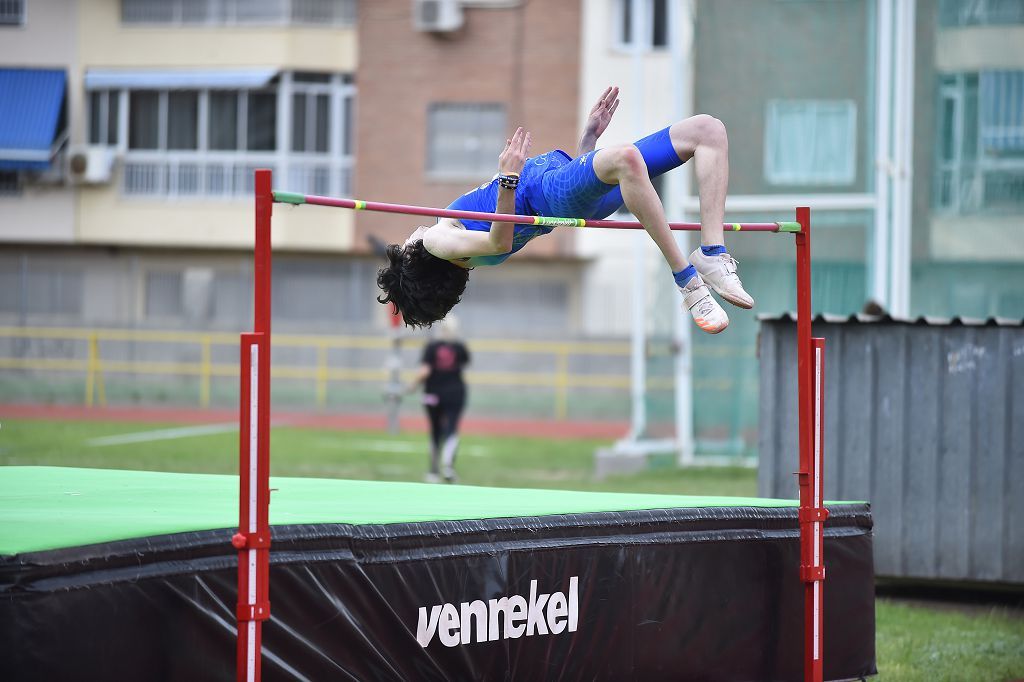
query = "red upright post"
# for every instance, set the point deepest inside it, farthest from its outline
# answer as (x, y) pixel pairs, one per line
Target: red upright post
(264, 209)
(810, 377)
(253, 537)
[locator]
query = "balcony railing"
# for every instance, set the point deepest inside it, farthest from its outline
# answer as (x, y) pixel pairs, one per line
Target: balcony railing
(239, 12)
(993, 188)
(958, 13)
(183, 176)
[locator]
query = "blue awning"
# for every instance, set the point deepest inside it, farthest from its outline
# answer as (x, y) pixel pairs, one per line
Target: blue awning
(30, 109)
(178, 79)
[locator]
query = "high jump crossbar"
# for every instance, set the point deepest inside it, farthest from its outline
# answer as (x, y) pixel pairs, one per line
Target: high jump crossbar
(253, 537)
(380, 207)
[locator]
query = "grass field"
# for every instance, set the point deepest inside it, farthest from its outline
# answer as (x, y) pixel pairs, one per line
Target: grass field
(914, 641)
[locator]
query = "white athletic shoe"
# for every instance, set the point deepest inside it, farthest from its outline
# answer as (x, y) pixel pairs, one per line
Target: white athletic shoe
(706, 312)
(720, 273)
(431, 477)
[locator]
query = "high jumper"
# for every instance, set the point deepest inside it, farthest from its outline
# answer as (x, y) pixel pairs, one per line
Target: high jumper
(426, 276)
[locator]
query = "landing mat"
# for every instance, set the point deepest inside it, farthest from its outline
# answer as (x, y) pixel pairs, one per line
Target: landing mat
(131, 575)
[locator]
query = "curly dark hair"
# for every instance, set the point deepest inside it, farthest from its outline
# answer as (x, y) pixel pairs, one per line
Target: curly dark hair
(420, 286)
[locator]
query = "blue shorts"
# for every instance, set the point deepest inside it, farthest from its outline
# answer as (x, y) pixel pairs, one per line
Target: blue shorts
(574, 190)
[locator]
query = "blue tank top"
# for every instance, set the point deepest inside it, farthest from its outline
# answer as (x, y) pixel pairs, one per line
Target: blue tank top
(529, 201)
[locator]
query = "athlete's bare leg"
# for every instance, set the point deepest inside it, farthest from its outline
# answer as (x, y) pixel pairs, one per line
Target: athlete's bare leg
(623, 165)
(704, 139)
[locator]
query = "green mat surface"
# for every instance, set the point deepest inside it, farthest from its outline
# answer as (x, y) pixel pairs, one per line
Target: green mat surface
(43, 508)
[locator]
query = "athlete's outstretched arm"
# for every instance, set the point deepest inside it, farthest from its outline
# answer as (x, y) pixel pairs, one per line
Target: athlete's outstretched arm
(600, 116)
(447, 240)
(510, 162)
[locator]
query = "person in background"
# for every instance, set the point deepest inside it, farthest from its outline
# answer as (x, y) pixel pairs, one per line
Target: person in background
(444, 397)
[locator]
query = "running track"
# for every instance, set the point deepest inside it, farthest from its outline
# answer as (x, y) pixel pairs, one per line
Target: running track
(537, 428)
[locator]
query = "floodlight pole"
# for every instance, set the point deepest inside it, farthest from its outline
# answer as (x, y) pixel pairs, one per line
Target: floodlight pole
(253, 537)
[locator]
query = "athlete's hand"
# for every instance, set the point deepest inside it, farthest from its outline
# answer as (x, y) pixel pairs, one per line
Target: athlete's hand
(513, 157)
(601, 113)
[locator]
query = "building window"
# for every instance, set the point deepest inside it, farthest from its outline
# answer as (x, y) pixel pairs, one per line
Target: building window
(310, 121)
(311, 128)
(208, 142)
(261, 121)
(539, 307)
(44, 289)
(654, 23)
(239, 12)
(464, 139)
(980, 145)
(144, 120)
(104, 106)
(811, 142)
(9, 184)
(222, 134)
(231, 297)
(311, 292)
(959, 13)
(183, 119)
(12, 12)
(163, 295)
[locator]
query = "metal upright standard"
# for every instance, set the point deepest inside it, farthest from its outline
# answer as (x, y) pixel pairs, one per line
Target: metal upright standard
(810, 382)
(253, 537)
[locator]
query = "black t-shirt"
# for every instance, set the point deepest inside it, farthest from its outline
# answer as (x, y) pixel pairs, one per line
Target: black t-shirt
(446, 360)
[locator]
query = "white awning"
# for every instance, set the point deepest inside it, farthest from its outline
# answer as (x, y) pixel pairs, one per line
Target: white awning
(178, 79)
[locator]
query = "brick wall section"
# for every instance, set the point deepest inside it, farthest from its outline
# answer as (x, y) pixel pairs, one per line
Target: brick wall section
(525, 57)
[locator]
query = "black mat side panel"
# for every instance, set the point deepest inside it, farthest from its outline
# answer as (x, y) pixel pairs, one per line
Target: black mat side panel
(678, 594)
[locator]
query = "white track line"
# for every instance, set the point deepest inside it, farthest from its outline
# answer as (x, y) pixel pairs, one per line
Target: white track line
(163, 434)
(208, 429)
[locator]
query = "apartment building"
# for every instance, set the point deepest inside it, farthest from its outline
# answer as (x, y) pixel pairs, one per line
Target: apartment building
(140, 211)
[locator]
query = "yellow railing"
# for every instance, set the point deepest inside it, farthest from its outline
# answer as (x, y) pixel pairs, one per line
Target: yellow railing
(561, 380)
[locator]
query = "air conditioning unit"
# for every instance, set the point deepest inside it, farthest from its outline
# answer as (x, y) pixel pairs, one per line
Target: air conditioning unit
(437, 16)
(92, 165)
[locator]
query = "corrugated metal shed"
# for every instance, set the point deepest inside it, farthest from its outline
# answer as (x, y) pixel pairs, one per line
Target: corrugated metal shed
(923, 418)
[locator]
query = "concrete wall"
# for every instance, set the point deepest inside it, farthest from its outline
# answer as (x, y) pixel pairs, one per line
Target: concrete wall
(106, 42)
(979, 47)
(38, 215)
(48, 39)
(607, 281)
(970, 238)
(604, 64)
(88, 285)
(107, 218)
